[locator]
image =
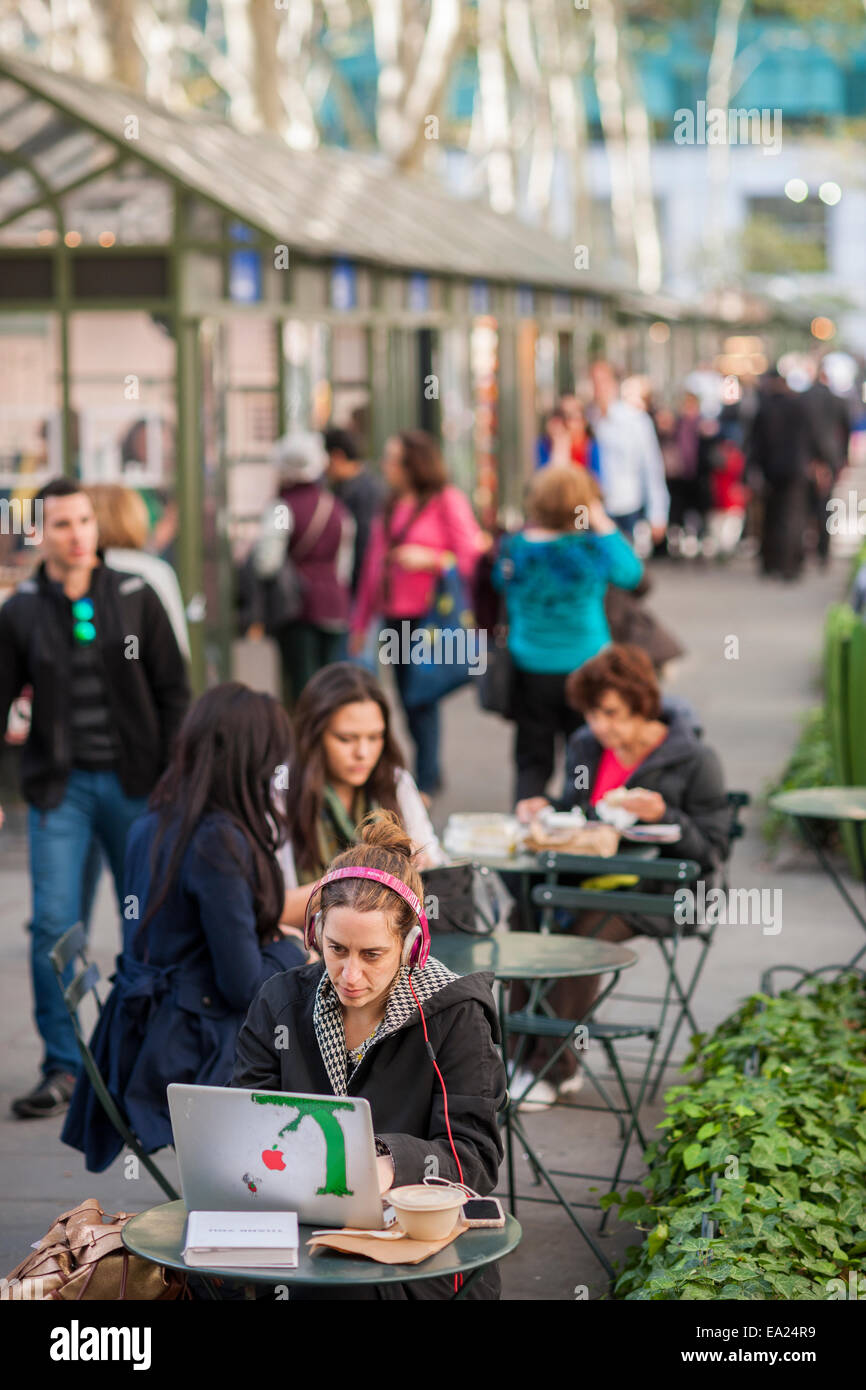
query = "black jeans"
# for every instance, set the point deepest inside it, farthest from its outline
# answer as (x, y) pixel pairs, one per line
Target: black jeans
(304, 650)
(540, 714)
(784, 523)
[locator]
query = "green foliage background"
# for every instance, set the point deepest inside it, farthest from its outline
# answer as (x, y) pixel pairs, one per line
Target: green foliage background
(776, 1160)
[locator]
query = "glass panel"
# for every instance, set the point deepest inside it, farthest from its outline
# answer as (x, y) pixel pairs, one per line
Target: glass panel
(125, 207)
(350, 385)
(35, 228)
(204, 222)
(17, 188)
(457, 416)
(250, 394)
(306, 349)
(122, 370)
(204, 276)
(30, 449)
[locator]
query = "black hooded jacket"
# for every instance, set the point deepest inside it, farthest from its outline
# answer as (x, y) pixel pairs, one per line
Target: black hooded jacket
(683, 770)
(397, 1077)
(145, 679)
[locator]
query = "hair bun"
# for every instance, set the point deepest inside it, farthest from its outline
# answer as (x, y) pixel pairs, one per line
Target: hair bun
(382, 830)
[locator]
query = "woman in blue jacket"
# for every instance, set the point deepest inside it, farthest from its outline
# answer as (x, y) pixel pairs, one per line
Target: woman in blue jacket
(203, 899)
(554, 574)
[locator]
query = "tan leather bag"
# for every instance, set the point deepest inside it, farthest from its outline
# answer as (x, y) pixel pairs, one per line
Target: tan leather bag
(83, 1257)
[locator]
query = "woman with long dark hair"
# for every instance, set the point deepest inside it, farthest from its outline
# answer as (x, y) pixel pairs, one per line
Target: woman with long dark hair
(203, 903)
(347, 764)
(428, 527)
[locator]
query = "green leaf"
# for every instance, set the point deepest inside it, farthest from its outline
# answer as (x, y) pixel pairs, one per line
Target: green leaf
(706, 1131)
(693, 1156)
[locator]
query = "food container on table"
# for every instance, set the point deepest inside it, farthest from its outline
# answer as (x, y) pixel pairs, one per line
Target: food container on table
(481, 834)
(427, 1213)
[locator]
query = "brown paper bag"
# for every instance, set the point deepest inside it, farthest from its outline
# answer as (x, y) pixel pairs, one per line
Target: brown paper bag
(386, 1252)
(588, 839)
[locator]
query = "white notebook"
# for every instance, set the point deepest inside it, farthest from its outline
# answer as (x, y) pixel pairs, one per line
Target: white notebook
(242, 1239)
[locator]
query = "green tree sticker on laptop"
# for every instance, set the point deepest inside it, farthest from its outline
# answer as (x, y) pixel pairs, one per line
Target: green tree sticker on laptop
(321, 1110)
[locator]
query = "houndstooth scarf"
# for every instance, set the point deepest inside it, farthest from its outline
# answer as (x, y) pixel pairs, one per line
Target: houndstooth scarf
(328, 1017)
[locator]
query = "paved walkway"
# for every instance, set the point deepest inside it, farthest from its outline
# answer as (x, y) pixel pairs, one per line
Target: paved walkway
(751, 705)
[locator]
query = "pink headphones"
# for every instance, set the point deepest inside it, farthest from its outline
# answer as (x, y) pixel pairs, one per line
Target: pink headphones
(416, 947)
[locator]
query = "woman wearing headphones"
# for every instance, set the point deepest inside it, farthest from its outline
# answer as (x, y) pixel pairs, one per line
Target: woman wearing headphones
(359, 1023)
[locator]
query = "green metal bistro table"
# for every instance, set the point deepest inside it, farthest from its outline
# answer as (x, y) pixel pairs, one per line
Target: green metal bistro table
(830, 803)
(543, 958)
(528, 866)
(158, 1235)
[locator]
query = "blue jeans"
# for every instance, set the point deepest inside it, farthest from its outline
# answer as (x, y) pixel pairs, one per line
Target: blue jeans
(94, 806)
(628, 521)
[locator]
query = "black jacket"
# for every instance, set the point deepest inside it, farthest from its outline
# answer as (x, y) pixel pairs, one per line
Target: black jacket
(397, 1077)
(145, 680)
(683, 770)
(782, 441)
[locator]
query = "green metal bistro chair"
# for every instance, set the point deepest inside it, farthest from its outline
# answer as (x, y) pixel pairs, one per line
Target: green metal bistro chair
(671, 947)
(71, 945)
(638, 906)
(737, 801)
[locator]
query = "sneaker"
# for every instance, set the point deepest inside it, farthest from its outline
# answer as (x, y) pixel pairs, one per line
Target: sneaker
(50, 1097)
(539, 1096)
(570, 1086)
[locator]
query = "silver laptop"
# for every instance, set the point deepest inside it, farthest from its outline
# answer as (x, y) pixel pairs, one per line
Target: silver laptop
(275, 1151)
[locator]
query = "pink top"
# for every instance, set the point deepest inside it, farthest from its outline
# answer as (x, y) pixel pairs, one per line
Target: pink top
(611, 773)
(446, 523)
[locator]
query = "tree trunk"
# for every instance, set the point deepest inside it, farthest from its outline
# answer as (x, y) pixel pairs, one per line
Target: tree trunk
(639, 150)
(494, 106)
(610, 100)
(719, 81)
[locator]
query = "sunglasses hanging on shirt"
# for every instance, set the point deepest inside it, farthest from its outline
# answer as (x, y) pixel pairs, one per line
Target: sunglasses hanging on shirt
(83, 613)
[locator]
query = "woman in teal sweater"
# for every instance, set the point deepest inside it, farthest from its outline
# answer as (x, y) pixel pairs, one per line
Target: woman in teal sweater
(554, 574)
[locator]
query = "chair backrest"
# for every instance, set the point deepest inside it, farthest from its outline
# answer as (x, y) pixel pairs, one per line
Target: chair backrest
(71, 944)
(660, 870)
(737, 801)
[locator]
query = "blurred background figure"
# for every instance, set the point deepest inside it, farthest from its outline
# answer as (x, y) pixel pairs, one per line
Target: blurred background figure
(361, 491)
(780, 450)
(123, 525)
(830, 423)
(631, 469)
(428, 527)
(319, 542)
(568, 437)
(554, 446)
(161, 508)
(554, 575)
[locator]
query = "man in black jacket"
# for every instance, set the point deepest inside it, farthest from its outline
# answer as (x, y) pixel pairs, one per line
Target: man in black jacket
(109, 692)
(781, 447)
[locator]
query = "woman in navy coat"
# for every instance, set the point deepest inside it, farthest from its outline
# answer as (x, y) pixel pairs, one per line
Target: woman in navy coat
(203, 898)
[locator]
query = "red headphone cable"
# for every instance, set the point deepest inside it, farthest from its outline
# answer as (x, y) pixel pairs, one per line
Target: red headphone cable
(458, 1278)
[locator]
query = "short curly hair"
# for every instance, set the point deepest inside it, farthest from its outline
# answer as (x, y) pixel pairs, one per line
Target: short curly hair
(623, 668)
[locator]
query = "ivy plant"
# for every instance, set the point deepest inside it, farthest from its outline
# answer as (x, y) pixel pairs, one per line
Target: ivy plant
(757, 1186)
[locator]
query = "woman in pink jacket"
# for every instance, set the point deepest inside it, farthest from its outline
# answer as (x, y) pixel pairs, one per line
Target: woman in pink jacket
(427, 527)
